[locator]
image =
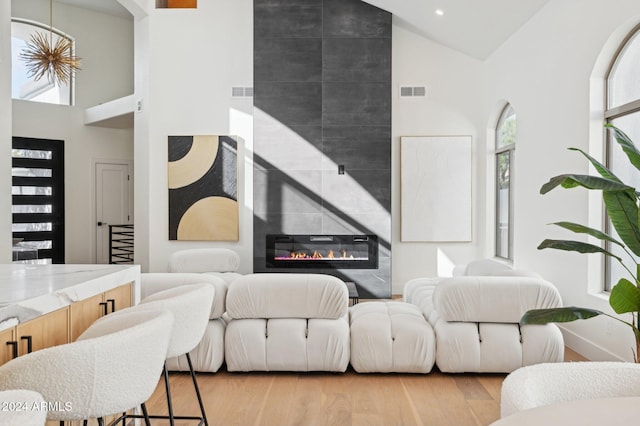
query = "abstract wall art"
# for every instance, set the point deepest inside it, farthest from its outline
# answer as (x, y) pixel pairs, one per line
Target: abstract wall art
(435, 188)
(203, 188)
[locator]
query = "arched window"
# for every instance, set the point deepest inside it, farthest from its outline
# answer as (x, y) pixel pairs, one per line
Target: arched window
(505, 148)
(24, 87)
(622, 109)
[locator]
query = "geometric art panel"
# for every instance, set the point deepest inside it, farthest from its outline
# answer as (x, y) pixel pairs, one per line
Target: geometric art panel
(203, 188)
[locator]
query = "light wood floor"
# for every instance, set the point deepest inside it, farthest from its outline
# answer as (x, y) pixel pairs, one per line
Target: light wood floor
(243, 399)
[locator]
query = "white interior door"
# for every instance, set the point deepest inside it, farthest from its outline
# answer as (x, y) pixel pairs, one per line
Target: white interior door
(112, 203)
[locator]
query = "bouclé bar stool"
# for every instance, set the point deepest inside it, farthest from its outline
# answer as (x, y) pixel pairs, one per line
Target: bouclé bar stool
(114, 366)
(191, 306)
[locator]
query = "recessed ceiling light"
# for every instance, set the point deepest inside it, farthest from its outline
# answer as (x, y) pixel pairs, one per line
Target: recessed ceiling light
(439, 12)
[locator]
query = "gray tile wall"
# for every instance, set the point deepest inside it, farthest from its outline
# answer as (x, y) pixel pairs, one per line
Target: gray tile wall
(322, 97)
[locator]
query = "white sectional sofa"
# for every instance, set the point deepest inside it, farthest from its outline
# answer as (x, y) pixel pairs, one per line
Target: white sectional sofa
(301, 322)
(475, 318)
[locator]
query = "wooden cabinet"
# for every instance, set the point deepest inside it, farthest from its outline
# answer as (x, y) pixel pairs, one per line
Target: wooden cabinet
(85, 312)
(42, 332)
(118, 298)
(61, 326)
(51, 329)
(8, 340)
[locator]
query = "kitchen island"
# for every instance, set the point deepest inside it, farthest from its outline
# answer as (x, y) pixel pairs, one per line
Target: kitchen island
(47, 305)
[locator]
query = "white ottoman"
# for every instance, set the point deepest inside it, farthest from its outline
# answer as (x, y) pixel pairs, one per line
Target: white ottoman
(545, 384)
(22, 408)
(390, 337)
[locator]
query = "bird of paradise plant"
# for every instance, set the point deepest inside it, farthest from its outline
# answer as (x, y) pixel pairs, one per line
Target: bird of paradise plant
(621, 206)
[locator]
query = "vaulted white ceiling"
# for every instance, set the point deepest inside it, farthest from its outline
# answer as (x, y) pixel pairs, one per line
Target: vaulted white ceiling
(473, 27)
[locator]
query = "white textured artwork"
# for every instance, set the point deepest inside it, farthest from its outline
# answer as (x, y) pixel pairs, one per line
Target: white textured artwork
(435, 188)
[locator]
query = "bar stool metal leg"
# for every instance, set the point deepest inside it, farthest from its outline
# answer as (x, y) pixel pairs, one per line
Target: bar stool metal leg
(168, 391)
(195, 385)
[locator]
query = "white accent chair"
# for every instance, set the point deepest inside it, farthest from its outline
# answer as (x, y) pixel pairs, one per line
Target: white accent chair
(287, 322)
(476, 318)
(208, 355)
(546, 384)
(114, 366)
(220, 262)
(191, 308)
(22, 408)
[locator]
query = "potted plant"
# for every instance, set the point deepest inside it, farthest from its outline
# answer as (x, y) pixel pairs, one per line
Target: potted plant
(621, 206)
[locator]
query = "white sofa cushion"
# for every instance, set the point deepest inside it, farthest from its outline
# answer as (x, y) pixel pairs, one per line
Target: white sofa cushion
(208, 356)
(390, 337)
(152, 282)
(287, 296)
(491, 268)
(485, 267)
(492, 299)
(204, 260)
(287, 344)
(492, 347)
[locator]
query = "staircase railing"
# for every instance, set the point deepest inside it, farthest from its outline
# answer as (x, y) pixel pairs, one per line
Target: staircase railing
(121, 243)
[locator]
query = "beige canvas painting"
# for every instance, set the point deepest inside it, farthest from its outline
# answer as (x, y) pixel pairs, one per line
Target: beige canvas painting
(203, 181)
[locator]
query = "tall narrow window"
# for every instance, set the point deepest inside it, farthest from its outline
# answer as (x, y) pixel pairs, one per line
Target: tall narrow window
(27, 88)
(623, 111)
(505, 149)
(38, 200)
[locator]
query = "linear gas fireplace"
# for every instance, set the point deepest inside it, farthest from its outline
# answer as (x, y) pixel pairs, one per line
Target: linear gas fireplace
(322, 251)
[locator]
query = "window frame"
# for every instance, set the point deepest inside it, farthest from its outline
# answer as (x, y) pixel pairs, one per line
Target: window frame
(499, 150)
(610, 114)
(59, 33)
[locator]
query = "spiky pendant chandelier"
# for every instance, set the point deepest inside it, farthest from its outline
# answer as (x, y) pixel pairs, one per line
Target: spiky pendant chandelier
(42, 57)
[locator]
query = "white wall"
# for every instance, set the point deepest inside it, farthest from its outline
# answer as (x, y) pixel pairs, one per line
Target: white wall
(452, 107)
(5, 130)
(105, 45)
(195, 57)
(544, 70)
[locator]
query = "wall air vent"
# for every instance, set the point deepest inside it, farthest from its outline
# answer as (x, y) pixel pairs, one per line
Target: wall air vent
(242, 92)
(413, 91)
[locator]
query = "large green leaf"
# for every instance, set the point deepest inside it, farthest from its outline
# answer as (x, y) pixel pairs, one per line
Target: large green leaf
(566, 314)
(625, 297)
(627, 145)
(586, 181)
(578, 246)
(622, 209)
(581, 229)
(601, 168)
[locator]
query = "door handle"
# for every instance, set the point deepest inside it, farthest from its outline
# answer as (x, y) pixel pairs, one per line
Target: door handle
(104, 307)
(29, 343)
(113, 304)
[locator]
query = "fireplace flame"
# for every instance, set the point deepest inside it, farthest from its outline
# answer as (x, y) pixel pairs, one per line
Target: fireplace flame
(318, 255)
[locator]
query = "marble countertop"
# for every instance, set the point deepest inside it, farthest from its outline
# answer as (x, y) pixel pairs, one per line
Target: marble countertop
(27, 291)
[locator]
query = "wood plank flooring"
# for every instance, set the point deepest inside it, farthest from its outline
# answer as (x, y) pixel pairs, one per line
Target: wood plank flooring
(281, 399)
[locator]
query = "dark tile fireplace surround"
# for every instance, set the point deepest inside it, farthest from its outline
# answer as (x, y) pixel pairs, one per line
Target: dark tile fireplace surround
(322, 139)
